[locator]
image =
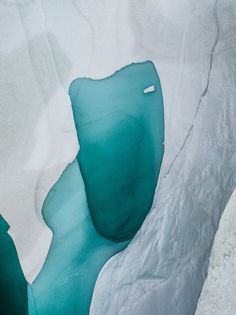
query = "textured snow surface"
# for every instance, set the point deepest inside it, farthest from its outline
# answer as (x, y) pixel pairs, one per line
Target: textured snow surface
(44, 46)
(218, 294)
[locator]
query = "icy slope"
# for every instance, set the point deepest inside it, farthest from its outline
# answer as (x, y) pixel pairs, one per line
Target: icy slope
(218, 294)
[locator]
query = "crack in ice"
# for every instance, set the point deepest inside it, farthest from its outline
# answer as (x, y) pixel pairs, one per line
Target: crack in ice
(204, 91)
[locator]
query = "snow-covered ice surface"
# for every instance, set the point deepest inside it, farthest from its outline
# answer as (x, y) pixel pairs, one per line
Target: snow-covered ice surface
(44, 46)
(218, 293)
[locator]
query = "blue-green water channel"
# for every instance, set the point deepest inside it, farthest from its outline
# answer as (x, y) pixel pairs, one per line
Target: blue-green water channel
(13, 286)
(102, 198)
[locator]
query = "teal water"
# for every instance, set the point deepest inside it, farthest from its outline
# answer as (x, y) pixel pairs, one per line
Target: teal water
(13, 286)
(77, 253)
(102, 198)
(121, 134)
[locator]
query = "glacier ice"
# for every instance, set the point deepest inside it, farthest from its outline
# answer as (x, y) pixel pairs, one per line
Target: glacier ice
(44, 46)
(218, 293)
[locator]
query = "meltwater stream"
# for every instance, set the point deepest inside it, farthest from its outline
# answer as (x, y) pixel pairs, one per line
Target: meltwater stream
(102, 198)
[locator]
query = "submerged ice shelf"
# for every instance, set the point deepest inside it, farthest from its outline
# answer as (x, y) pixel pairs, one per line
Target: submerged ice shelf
(102, 198)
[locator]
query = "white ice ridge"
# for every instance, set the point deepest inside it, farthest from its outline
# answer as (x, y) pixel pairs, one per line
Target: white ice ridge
(192, 44)
(218, 294)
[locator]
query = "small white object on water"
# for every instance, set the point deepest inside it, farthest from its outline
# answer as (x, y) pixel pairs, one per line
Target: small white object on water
(149, 89)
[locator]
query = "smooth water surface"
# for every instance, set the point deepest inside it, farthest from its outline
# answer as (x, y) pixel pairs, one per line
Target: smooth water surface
(102, 198)
(121, 133)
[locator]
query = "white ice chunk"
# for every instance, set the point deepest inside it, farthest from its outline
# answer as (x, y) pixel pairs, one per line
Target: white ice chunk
(149, 89)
